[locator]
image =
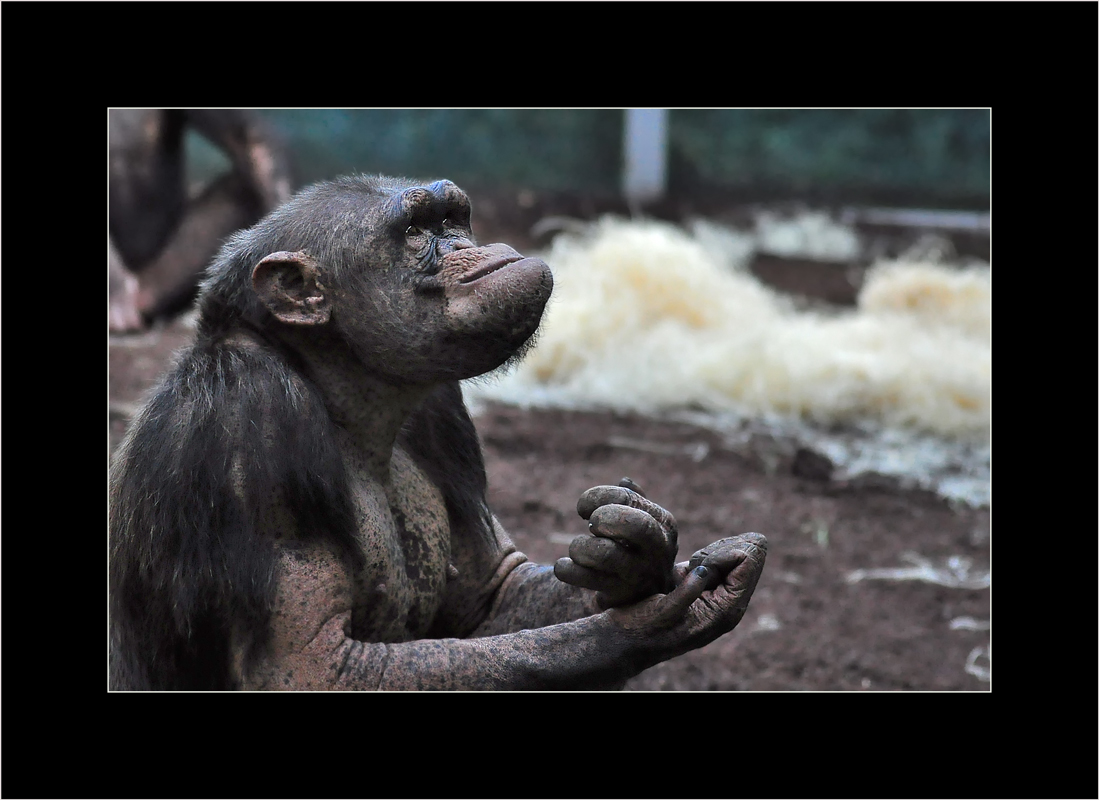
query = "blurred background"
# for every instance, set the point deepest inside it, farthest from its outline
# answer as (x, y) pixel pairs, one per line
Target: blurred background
(936, 158)
(774, 320)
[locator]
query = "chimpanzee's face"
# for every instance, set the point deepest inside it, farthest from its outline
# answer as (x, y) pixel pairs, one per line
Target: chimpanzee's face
(430, 304)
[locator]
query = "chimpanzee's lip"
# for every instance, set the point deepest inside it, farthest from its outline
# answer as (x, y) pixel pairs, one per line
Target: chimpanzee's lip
(489, 267)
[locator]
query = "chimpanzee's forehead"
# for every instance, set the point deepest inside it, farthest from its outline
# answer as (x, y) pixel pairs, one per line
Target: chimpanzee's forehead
(440, 198)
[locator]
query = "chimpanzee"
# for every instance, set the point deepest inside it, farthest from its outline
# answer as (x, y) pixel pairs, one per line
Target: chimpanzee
(301, 504)
(160, 240)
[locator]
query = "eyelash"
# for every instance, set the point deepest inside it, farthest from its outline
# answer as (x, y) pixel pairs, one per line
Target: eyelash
(416, 230)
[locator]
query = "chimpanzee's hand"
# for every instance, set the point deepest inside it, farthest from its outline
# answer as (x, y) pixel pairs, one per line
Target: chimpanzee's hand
(124, 295)
(710, 597)
(630, 552)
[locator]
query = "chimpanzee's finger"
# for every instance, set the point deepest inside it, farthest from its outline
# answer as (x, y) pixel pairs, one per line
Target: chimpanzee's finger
(674, 605)
(568, 571)
(724, 555)
(608, 555)
(628, 483)
(630, 526)
(599, 496)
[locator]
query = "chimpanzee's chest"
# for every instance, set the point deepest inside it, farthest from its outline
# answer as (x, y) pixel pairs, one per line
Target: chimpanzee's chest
(404, 534)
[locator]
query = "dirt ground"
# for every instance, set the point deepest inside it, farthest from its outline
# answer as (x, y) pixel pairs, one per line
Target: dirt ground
(809, 627)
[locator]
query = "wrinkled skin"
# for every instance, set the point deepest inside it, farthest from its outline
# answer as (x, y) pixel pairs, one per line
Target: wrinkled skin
(629, 557)
(336, 530)
(631, 551)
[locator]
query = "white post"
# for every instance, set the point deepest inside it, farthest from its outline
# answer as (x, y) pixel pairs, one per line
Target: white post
(644, 174)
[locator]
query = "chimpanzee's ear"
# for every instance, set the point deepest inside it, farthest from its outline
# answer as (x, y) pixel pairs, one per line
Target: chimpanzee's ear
(289, 285)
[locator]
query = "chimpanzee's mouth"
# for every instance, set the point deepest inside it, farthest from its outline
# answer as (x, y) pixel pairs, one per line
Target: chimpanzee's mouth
(489, 267)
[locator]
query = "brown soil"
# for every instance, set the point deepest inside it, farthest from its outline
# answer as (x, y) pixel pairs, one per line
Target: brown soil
(808, 627)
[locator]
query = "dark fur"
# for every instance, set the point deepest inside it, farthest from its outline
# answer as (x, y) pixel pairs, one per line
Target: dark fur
(441, 438)
(189, 562)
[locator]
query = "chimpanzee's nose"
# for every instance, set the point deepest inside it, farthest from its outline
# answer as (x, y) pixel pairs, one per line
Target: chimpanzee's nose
(453, 243)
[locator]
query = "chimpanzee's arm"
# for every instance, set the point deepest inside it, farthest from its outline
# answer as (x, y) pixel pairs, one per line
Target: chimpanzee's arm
(587, 654)
(311, 648)
(250, 148)
(496, 589)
